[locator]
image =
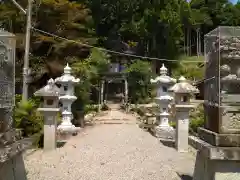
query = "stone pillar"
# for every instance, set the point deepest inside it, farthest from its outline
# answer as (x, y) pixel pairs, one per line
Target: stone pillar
(163, 99)
(126, 90)
(102, 92)
(11, 143)
(182, 128)
(50, 94)
(126, 95)
(67, 82)
(219, 140)
(183, 91)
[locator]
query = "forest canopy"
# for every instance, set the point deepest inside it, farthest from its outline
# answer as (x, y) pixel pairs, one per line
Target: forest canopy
(160, 28)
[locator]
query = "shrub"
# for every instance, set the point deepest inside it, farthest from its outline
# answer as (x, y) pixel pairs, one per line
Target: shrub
(196, 119)
(139, 74)
(90, 108)
(27, 118)
(191, 71)
(89, 71)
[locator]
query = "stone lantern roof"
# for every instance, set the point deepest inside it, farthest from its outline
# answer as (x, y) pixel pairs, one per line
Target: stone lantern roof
(163, 70)
(164, 98)
(49, 90)
(163, 78)
(184, 87)
(67, 77)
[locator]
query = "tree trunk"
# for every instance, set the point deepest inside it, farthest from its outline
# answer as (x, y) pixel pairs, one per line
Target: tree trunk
(197, 43)
(190, 42)
(187, 41)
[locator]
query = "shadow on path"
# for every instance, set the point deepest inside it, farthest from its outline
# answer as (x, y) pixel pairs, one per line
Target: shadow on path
(184, 176)
(168, 142)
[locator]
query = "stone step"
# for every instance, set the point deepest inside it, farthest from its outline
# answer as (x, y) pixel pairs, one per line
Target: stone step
(114, 122)
(113, 119)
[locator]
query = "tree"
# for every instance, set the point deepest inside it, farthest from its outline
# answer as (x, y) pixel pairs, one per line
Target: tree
(90, 70)
(64, 18)
(139, 74)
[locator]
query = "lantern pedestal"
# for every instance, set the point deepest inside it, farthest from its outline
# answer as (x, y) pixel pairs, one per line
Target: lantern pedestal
(164, 130)
(49, 128)
(216, 163)
(182, 127)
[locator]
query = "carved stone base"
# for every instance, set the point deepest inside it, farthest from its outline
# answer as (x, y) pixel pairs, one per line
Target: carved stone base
(68, 129)
(165, 132)
(11, 144)
(216, 163)
(222, 140)
(13, 169)
(65, 132)
(11, 161)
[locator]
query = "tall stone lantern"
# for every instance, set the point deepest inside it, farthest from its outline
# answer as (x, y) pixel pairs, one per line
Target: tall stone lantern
(67, 82)
(50, 94)
(163, 99)
(183, 92)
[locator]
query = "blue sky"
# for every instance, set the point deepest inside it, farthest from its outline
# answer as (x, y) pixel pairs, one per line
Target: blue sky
(233, 1)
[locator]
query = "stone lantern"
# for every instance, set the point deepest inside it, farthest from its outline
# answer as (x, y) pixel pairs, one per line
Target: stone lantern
(49, 109)
(67, 82)
(183, 92)
(163, 99)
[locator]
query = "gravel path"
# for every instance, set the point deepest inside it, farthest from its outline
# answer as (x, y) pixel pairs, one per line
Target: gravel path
(111, 152)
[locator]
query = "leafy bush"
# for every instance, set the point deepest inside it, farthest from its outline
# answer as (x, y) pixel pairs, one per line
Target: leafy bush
(196, 119)
(27, 118)
(191, 71)
(139, 74)
(90, 108)
(89, 71)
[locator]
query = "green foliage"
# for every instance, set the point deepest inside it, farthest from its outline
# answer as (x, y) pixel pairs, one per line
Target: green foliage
(196, 119)
(139, 74)
(64, 18)
(90, 70)
(191, 71)
(90, 108)
(28, 118)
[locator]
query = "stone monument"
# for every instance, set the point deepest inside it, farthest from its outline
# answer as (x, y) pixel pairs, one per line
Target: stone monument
(50, 93)
(67, 82)
(183, 92)
(219, 144)
(163, 99)
(11, 143)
